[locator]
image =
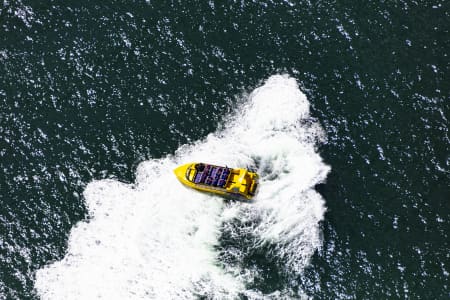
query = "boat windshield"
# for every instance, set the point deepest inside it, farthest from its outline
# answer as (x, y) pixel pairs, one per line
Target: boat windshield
(190, 173)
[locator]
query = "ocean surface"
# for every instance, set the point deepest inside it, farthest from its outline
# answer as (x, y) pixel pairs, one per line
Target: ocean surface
(341, 106)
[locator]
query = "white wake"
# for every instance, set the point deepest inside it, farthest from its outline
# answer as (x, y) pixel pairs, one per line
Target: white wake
(156, 239)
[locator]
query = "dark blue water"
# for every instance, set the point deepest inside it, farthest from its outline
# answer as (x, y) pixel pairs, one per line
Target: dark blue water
(88, 91)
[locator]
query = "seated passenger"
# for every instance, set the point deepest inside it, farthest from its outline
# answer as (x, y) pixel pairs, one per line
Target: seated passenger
(207, 169)
(225, 173)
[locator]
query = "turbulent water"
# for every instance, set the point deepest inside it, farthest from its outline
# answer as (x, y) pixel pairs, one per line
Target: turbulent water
(341, 107)
(157, 239)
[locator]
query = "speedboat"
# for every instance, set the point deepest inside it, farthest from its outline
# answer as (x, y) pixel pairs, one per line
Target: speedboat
(224, 181)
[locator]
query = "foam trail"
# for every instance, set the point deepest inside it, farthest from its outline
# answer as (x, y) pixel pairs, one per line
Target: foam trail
(276, 131)
(143, 241)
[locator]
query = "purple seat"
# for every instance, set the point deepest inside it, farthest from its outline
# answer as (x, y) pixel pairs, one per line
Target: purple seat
(198, 177)
(208, 180)
(221, 183)
(204, 175)
(214, 172)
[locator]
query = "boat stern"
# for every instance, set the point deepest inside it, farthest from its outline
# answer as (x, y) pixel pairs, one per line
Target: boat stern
(244, 183)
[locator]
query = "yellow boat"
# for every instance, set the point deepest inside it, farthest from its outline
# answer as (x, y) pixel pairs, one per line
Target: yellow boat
(223, 181)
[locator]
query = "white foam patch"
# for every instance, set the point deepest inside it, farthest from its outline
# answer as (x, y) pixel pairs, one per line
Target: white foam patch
(155, 239)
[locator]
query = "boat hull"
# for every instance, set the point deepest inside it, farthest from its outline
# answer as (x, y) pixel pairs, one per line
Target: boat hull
(223, 181)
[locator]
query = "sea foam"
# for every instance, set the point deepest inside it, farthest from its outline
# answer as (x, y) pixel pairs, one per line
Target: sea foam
(156, 239)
